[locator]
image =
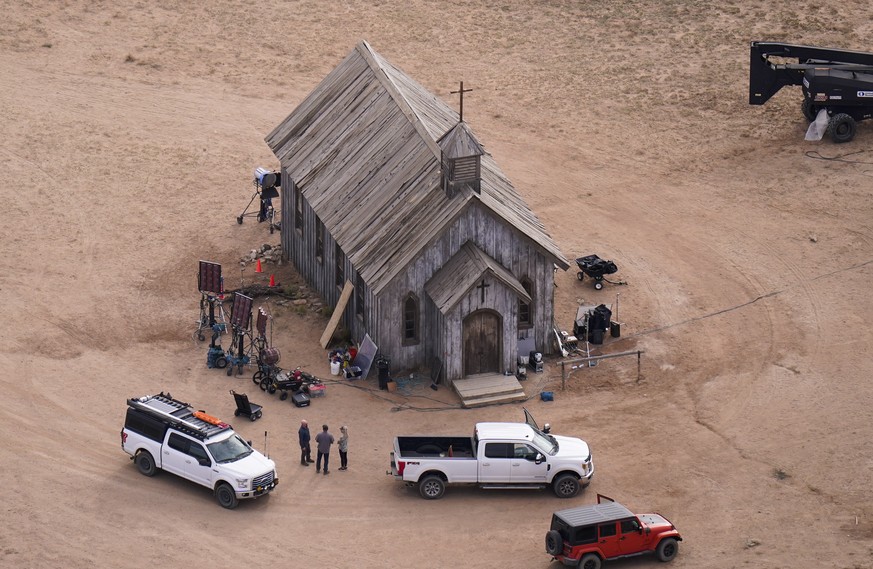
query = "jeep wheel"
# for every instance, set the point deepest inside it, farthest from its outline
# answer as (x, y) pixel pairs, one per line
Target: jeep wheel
(146, 463)
(590, 561)
(667, 549)
(566, 485)
(554, 542)
(431, 487)
(226, 496)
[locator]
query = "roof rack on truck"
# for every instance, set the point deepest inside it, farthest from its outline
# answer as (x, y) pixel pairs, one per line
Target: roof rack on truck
(179, 414)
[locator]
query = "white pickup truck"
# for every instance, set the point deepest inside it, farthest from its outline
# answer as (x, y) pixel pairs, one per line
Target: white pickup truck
(497, 456)
(162, 433)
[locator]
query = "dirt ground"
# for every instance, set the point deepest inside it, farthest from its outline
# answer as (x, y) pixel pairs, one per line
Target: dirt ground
(130, 131)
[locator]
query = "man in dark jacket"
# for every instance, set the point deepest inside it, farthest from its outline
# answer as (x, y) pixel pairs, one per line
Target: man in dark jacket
(305, 451)
(323, 439)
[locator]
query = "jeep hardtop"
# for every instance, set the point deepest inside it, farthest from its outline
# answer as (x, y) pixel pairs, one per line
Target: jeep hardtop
(587, 535)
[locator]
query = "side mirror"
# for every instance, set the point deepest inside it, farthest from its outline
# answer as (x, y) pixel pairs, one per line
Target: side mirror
(204, 461)
(250, 443)
(546, 428)
(648, 530)
(539, 458)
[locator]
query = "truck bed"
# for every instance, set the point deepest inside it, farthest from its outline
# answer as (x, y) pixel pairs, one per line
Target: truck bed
(435, 447)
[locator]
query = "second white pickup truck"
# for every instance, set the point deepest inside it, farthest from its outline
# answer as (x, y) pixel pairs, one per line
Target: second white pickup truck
(497, 456)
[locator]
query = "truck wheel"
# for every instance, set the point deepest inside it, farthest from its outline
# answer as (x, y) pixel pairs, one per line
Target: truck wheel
(667, 549)
(842, 128)
(566, 485)
(554, 542)
(146, 463)
(808, 109)
(431, 487)
(590, 561)
(226, 496)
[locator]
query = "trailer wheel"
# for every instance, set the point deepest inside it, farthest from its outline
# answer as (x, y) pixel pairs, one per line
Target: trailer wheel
(667, 549)
(810, 111)
(283, 396)
(598, 285)
(431, 487)
(225, 496)
(264, 383)
(271, 389)
(566, 485)
(581, 276)
(145, 463)
(842, 128)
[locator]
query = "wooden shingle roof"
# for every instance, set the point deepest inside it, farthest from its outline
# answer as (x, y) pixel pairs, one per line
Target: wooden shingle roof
(362, 149)
(461, 273)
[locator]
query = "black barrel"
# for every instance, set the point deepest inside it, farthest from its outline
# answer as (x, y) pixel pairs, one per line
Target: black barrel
(614, 329)
(383, 366)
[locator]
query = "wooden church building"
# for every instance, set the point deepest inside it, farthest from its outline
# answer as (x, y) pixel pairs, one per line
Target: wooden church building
(384, 187)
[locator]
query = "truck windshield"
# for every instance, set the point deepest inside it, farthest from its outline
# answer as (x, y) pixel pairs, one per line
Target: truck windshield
(230, 449)
(545, 442)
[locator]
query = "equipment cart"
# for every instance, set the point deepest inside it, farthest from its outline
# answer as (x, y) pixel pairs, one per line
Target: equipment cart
(596, 268)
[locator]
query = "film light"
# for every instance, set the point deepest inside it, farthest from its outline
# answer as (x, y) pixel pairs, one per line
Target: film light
(261, 323)
(209, 278)
(241, 312)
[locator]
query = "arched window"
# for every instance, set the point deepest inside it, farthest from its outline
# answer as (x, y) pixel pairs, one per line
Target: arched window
(410, 320)
(525, 309)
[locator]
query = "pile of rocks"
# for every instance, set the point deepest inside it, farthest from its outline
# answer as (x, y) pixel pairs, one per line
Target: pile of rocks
(265, 252)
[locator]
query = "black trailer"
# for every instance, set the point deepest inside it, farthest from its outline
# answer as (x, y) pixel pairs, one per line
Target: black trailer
(839, 81)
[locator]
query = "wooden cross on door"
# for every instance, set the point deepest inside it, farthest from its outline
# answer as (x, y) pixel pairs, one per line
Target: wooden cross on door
(482, 287)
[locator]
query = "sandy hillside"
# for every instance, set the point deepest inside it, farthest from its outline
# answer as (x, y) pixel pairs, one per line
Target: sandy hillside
(129, 135)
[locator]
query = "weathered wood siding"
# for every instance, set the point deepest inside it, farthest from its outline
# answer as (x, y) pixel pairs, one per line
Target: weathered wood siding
(299, 245)
(515, 251)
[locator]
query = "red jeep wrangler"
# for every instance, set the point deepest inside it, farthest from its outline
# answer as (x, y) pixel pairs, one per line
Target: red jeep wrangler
(587, 535)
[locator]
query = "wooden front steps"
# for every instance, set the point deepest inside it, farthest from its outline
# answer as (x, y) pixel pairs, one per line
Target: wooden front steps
(488, 389)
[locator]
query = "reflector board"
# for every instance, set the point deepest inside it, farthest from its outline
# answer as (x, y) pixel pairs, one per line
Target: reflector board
(241, 312)
(209, 277)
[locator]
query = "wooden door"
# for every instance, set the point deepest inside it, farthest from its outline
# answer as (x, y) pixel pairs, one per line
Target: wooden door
(482, 342)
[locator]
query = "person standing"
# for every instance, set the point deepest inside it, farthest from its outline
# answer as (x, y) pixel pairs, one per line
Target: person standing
(323, 440)
(305, 438)
(343, 446)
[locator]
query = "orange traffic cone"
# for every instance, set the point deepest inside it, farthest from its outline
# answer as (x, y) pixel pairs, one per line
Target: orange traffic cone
(258, 267)
(272, 281)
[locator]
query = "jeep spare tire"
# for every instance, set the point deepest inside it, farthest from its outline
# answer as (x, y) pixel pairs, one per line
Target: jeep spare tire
(554, 542)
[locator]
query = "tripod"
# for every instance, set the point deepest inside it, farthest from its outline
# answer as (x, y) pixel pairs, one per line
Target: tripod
(210, 318)
(265, 183)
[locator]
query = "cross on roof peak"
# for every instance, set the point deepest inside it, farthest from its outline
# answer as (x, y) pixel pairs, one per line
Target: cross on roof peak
(461, 91)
